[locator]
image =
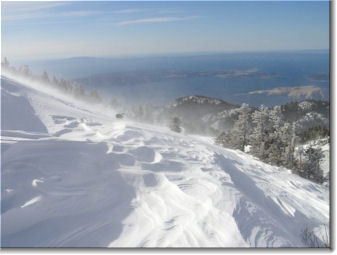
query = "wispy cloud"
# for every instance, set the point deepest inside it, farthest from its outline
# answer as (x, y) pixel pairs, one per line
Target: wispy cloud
(128, 11)
(292, 92)
(26, 16)
(24, 7)
(153, 20)
(12, 11)
(40, 10)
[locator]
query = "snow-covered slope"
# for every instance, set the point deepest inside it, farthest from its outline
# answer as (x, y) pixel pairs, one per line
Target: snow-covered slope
(74, 176)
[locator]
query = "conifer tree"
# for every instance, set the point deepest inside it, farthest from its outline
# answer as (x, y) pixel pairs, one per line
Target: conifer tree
(241, 129)
(5, 63)
(175, 125)
(25, 70)
(224, 139)
(261, 131)
(311, 168)
(45, 77)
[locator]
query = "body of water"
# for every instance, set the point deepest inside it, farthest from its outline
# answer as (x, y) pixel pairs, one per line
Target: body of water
(233, 77)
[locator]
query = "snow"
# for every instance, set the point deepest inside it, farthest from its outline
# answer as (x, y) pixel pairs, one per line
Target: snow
(32, 201)
(35, 182)
(74, 176)
(21, 115)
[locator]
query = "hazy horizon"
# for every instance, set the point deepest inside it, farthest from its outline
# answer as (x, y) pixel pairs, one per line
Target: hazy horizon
(164, 55)
(49, 30)
(256, 52)
(256, 78)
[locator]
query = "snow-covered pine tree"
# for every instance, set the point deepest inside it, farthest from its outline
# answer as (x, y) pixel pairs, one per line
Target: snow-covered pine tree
(241, 129)
(278, 137)
(281, 143)
(260, 136)
(175, 124)
(224, 139)
(55, 81)
(79, 92)
(62, 85)
(25, 70)
(276, 117)
(45, 77)
(5, 63)
(311, 168)
(95, 97)
(291, 140)
(300, 155)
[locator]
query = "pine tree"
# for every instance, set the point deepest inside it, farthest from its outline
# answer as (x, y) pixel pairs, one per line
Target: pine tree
(95, 97)
(311, 168)
(224, 139)
(25, 70)
(279, 140)
(278, 149)
(5, 63)
(314, 133)
(79, 92)
(55, 81)
(175, 125)
(276, 117)
(45, 77)
(291, 139)
(241, 129)
(261, 133)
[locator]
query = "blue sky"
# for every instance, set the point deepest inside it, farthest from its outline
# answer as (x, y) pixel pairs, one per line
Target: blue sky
(41, 30)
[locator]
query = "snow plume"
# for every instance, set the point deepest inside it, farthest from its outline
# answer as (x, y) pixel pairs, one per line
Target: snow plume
(74, 93)
(61, 89)
(292, 92)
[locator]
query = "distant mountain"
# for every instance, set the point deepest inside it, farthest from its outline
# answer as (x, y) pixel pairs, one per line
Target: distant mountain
(141, 76)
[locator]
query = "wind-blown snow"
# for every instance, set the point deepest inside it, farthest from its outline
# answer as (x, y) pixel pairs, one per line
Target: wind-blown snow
(77, 177)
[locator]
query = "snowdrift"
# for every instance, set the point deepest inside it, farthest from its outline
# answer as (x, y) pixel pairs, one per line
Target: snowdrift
(74, 176)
